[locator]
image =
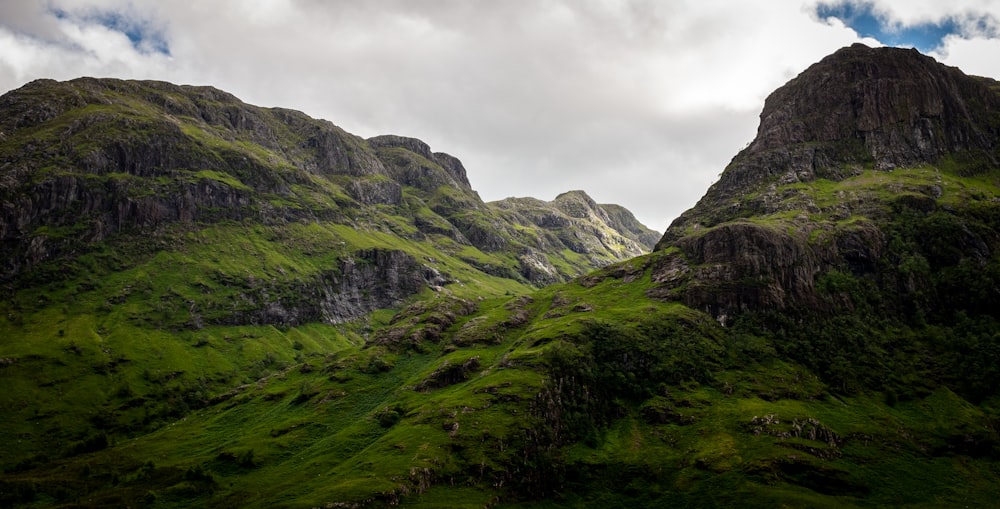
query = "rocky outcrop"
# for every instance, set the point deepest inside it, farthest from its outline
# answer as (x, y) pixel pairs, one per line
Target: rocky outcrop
(622, 220)
(535, 267)
(454, 167)
(443, 169)
(375, 191)
(902, 108)
(742, 266)
(579, 205)
(63, 213)
(368, 280)
(423, 321)
(575, 221)
(86, 159)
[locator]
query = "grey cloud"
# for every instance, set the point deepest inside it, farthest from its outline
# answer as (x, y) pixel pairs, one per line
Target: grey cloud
(31, 19)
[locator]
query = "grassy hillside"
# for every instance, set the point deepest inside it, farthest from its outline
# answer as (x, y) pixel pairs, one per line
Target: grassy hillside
(168, 248)
(581, 394)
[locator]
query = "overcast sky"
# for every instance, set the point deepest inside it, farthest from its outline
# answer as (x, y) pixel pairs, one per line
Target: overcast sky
(640, 103)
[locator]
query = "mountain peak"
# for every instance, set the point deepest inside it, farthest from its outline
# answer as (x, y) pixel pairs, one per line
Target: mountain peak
(450, 163)
(860, 107)
(895, 106)
(861, 147)
(577, 203)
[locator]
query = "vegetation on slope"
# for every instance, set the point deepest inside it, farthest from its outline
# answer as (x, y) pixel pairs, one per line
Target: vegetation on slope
(168, 248)
(584, 393)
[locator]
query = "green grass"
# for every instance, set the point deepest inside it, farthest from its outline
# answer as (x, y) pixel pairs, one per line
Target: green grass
(317, 421)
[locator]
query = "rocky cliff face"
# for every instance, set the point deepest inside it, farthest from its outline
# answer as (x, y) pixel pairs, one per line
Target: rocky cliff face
(454, 171)
(902, 107)
(364, 282)
(92, 160)
(851, 157)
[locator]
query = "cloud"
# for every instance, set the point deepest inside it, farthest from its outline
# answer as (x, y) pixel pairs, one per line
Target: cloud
(144, 37)
(638, 102)
(38, 40)
(922, 25)
(975, 56)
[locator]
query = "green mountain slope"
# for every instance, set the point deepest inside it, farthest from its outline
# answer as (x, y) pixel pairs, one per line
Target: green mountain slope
(821, 330)
(163, 246)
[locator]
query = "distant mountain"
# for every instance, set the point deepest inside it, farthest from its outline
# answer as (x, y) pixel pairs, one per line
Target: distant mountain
(335, 322)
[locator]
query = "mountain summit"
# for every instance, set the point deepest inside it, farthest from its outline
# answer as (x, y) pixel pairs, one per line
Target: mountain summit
(881, 108)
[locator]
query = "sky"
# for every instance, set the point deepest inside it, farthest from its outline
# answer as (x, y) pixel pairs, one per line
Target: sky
(642, 103)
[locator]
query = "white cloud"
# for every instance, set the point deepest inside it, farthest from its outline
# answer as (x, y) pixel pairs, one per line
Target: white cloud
(917, 12)
(37, 43)
(977, 56)
(639, 102)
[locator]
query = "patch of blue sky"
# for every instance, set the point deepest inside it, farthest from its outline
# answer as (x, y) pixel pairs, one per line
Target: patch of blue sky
(144, 37)
(860, 17)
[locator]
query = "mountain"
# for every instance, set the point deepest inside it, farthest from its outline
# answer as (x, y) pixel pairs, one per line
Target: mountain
(878, 165)
(820, 330)
(92, 160)
(161, 245)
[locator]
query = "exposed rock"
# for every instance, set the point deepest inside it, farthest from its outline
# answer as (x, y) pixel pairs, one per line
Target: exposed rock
(579, 205)
(423, 321)
(903, 107)
(96, 212)
(442, 170)
(368, 280)
(449, 374)
(621, 219)
(741, 266)
(574, 221)
(454, 167)
(537, 269)
(375, 279)
(375, 191)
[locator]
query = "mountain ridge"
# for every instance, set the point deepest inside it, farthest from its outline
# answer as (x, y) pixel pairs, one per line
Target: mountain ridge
(146, 154)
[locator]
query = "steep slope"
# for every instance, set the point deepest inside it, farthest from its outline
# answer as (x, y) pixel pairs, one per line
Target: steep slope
(575, 225)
